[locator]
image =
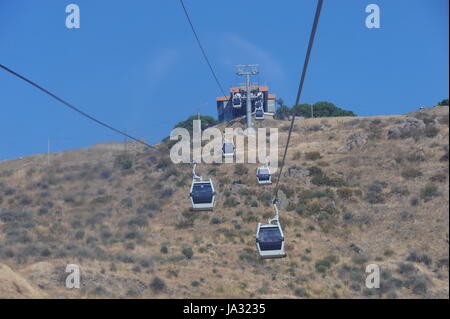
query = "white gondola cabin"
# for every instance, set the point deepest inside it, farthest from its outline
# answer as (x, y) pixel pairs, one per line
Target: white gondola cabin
(259, 114)
(202, 193)
(270, 239)
(263, 175)
(237, 100)
(228, 149)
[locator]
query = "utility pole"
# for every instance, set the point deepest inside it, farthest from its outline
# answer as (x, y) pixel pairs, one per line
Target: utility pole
(48, 151)
(312, 111)
(126, 142)
(248, 70)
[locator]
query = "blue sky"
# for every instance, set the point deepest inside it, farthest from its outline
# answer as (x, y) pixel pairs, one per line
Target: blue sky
(135, 64)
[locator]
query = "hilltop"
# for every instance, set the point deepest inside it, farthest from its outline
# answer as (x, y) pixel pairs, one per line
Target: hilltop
(356, 191)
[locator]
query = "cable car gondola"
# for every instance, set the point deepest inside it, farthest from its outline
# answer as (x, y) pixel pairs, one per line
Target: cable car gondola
(270, 238)
(202, 192)
(259, 109)
(237, 100)
(259, 100)
(263, 175)
(259, 114)
(228, 149)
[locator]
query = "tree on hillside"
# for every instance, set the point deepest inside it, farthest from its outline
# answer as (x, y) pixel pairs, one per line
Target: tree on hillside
(188, 124)
(301, 110)
(320, 109)
(282, 113)
(443, 102)
(280, 102)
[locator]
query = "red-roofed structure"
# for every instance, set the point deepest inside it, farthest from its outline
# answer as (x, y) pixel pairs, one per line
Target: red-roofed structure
(227, 111)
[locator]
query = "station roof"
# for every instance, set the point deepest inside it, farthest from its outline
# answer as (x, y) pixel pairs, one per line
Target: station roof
(270, 96)
(234, 89)
(262, 88)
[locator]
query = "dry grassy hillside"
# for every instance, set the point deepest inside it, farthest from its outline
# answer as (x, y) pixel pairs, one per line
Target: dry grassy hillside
(356, 191)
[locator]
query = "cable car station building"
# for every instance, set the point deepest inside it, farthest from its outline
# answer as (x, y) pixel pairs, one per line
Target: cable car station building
(228, 110)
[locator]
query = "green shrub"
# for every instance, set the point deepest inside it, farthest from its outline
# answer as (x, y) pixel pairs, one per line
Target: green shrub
(317, 193)
(301, 292)
(46, 252)
(215, 221)
(139, 221)
(313, 171)
(416, 157)
(414, 201)
(431, 131)
(206, 121)
(406, 268)
(444, 120)
(187, 252)
(158, 285)
(360, 259)
(240, 169)
(444, 157)
(185, 223)
(9, 191)
(443, 262)
(124, 161)
(429, 191)
(79, 234)
(439, 178)
(324, 264)
(164, 163)
(405, 215)
(419, 258)
(282, 113)
(400, 190)
(166, 193)
(248, 256)
(245, 192)
(101, 200)
(289, 192)
(323, 180)
(375, 194)
(100, 291)
(265, 198)
(127, 202)
(418, 284)
(105, 173)
(230, 202)
(411, 173)
(296, 156)
(348, 216)
(345, 193)
(290, 207)
(312, 156)
(172, 171)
